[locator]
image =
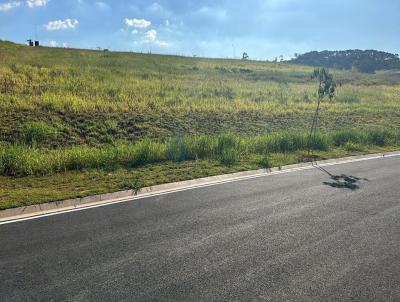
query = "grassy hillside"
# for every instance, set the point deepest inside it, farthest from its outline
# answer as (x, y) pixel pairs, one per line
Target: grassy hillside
(368, 61)
(64, 110)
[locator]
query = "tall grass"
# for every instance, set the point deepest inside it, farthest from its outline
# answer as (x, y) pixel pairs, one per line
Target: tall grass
(377, 137)
(200, 146)
(17, 160)
(228, 148)
(287, 142)
(75, 91)
(177, 149)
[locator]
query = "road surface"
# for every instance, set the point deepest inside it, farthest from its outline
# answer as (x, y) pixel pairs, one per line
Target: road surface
(330, 234)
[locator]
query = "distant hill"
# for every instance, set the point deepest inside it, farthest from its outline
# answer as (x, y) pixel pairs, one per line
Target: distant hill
(367, 61)
(9, 45)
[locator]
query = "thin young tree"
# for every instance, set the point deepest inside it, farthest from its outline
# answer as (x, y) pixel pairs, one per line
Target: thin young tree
(326, 88)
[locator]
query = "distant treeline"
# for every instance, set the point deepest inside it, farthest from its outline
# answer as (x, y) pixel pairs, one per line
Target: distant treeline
(367, 61)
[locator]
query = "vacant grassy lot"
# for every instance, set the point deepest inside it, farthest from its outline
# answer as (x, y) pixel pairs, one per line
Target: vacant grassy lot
(102, 113)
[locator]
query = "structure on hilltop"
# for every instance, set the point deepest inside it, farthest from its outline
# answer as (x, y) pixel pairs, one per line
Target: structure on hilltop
(33, 43)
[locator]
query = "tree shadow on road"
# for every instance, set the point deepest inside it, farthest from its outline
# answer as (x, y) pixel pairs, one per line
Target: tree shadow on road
(342, 181)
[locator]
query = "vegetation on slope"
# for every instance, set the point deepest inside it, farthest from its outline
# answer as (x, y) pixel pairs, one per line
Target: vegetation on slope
(367, 61)
(67, 110)
(91, 97)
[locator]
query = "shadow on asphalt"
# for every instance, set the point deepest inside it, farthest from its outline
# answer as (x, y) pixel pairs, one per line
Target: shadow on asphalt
(342, 181)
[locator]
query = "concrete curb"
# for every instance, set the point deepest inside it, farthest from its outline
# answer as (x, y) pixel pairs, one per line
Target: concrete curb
(123, 196)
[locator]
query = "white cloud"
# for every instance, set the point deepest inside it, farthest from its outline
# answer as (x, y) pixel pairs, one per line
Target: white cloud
(33, 3)
(151, 35)
(144, 34)
(61, 24)
(137, 23)
(9, 5)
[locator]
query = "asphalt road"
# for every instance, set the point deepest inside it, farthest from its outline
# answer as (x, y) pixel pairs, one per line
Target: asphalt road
(300, 236)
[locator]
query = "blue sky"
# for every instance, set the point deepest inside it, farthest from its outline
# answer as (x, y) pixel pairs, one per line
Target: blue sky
(263, 28)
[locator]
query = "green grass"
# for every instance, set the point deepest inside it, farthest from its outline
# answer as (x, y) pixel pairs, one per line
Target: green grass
(24, 191)
(91, 97)
(228, 148)
(76, 113)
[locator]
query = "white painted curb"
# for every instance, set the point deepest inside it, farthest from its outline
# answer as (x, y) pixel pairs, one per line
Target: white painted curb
(78, 204)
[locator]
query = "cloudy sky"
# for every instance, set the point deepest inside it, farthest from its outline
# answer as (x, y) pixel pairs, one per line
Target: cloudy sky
(263, 28)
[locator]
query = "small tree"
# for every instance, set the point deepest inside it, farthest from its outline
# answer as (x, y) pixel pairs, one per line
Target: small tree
(326, 88)
(245, 56)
